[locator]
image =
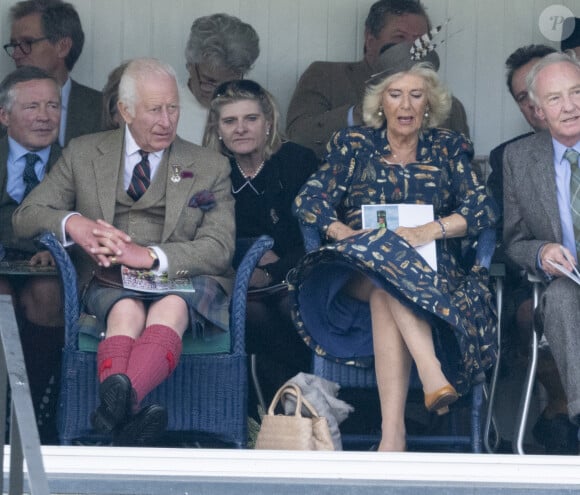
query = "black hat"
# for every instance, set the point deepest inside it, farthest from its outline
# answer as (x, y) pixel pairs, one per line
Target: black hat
(400, 58)
(572, 28)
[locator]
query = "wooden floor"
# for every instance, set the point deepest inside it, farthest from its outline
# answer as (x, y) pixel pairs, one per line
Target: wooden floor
(119, 471)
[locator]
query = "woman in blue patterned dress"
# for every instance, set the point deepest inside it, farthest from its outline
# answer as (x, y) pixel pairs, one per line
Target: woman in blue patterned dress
(375, 279)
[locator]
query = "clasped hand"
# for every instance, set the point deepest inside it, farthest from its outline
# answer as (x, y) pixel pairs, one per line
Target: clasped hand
(106, 244)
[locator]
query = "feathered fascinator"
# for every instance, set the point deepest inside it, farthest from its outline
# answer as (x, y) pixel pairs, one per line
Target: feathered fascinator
(401, 57)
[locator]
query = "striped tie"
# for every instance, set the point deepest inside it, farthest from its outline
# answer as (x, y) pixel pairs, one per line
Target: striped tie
(29, 175)
(141, 177)
(572, 156)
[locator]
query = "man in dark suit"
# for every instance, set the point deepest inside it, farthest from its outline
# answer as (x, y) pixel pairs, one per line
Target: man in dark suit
(329, 95)
(553, 429)
(141, 197)
(30, 111)
(49, 35)
(539, 222)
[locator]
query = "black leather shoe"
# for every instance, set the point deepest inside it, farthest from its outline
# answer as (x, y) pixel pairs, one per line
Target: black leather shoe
(558, 435)
(115, 394)
(143, 429)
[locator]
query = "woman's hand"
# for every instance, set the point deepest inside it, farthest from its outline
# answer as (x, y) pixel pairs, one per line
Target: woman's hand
(260, 278)
(337, 231)
(418, 236)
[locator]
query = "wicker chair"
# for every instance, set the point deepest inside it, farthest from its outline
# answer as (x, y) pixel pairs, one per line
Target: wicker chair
(479, 402)
(205, 397)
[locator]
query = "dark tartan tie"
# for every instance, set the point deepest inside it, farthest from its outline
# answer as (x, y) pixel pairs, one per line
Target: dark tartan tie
(572, 156)
(29, 175)
(141, 177)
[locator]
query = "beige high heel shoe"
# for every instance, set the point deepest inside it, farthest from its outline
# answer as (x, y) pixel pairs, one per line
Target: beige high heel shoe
(440, 400)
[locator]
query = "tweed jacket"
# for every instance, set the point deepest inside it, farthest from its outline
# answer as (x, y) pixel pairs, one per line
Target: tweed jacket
(531, 214)
(7, 204)
(323, 96)
(196, 240)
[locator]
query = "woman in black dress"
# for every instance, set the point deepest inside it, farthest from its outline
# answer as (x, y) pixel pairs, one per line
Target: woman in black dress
(267, 173)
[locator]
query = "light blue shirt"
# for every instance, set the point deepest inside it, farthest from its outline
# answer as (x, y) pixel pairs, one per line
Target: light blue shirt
(16, 162)
(64, 97)
(563, 175)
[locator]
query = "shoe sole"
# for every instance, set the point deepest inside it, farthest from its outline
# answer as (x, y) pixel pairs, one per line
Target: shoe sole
(115, 406)
(143, 429)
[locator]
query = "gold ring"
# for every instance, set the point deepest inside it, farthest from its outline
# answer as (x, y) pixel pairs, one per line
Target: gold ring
(113, 260)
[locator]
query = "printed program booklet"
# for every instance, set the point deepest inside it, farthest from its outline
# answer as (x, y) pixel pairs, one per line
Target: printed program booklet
(148, 281)
(405, 215)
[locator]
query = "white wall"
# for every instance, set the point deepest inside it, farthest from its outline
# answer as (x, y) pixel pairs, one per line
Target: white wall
(478, 39)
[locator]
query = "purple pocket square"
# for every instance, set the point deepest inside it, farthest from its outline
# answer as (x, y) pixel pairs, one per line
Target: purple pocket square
(204, 200)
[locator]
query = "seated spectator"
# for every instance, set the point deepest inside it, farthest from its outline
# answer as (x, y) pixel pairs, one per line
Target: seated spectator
(383, 300)
(553, 430)
(329, 95)
(541, 227)
(30, 111)
(49, 35)
(220, 48)
(111, 118)
(267, 173)
(116, 197)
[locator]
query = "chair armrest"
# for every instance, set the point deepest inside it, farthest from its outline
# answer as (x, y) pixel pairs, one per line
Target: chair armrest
(310, 236)
(485, 247)
(241, 284)
(69, 283)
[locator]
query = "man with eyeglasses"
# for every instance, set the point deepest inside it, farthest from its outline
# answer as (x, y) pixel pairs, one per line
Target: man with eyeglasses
(49, 35)
(220, 48)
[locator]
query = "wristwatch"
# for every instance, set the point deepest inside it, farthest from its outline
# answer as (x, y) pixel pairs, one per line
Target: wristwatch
(155, 259)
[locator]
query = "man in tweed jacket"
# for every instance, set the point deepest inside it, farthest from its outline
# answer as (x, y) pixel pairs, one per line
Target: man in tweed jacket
(538, 220)
(181, 223)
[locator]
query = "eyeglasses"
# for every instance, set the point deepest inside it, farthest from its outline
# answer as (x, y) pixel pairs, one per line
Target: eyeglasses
(245, 85)
(210, 82)
(24, 45)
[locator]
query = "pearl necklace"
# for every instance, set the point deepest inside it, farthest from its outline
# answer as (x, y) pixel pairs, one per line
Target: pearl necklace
(250, 176)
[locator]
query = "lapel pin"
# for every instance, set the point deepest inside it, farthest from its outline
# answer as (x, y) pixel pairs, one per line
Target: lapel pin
(176, 173)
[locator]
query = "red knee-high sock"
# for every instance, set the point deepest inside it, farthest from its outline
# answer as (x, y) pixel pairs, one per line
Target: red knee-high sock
(113, 355)
(153, 358)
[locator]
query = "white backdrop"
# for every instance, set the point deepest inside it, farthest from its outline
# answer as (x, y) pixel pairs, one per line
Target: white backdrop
(478, 39)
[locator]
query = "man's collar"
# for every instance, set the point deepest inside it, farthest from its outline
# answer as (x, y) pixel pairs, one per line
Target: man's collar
(560, 149)
(131, 145)
(17, 151)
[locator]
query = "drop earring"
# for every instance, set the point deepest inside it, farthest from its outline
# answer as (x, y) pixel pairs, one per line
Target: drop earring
(380, 112)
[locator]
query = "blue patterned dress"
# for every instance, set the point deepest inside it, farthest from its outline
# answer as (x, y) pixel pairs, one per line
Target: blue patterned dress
(455, 299)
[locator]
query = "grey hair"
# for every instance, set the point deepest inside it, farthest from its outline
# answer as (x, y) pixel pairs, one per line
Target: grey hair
(438, 97)
(222, 41)
(22, 74)
(552, 58)
(137, 70)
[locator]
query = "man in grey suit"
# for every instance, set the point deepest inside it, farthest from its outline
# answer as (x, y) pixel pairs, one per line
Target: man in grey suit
(141, 197)
(49, 35)
(329, 95)
(30, 110)
(539, 219)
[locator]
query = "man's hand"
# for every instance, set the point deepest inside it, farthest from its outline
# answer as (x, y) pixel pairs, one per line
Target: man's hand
(42, 258)
(558, 254)
(97, 238)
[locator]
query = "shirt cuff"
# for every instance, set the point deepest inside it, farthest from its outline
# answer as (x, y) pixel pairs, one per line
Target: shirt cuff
(163, 261)
(66, 241)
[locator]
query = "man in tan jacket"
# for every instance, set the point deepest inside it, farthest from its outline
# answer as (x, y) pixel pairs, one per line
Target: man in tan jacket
(141, 197)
